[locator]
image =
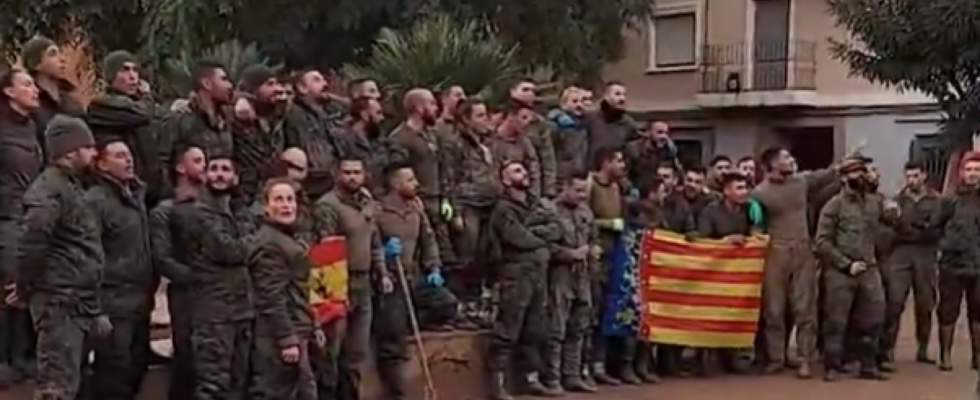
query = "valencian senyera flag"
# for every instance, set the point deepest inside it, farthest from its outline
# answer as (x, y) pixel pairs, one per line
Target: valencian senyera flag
(328, 279)
(621, 316)
(703, 293)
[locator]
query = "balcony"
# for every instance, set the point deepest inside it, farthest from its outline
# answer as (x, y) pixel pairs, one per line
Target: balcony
(777, 73)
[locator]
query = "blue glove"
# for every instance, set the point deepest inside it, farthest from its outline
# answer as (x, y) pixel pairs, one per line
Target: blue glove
(434, 278)
(756, 216)
(633, 194)
(393, 247)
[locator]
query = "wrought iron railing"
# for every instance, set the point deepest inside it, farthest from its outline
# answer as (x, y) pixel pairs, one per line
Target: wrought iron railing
(762, 65)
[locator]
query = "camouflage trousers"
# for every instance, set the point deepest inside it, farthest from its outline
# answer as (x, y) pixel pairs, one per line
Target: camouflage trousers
(181, 370)
(325, 361)
(910, 268)
(570, 312)
(17, 339)
(864, 296)
(61, 337)
(356, 342)
(221, 358)
(521, 321)
(120, 361)
(273, 379)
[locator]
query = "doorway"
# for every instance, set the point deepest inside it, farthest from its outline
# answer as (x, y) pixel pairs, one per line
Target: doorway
(812, 147)
(770, 47)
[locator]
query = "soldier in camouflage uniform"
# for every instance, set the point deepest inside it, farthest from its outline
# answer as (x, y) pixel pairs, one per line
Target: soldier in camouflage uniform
(569, 288)
(348, 210)
(259, 141)
(188, 175)
(59, 261)
(117, 197)
(957, 222)
(280, 271)
(912, 263)
(540, 131)
(125, 113)
(523, 229)
(610, 126)
(204, 124)
(510, 143)
(209, 240)
(312, 128)
(363, 138)
(571, 138)
(845, 240)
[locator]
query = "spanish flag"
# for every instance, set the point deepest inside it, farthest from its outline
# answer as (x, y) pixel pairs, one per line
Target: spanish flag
(328, 279)
(704, 293)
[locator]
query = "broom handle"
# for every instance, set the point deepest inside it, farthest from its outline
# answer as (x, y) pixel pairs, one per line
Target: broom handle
(430, 389)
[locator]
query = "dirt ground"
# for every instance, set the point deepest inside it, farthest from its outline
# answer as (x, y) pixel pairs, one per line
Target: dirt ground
(912, 382)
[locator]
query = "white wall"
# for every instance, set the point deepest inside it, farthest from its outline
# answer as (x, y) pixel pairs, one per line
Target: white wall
(888, 137)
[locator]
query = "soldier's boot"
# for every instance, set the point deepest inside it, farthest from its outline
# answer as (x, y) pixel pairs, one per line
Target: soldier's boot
(923, 331)
(587, 378)
(644, 369)
(551, 376)
(946, 347)
(831, 375)
(602, 377)
(887, 361)
(803, 371)
(869, 360)
(534, 387)
(578, 384)
(498, 387)
(628, 374)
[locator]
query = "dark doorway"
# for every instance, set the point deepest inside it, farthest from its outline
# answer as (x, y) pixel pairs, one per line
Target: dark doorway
(812, 147)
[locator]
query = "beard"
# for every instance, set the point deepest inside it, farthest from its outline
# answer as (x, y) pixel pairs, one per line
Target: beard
(429, 119)
(372, 129)
(220, 191)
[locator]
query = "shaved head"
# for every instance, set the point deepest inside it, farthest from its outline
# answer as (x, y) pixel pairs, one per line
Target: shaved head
(294, 155)
(421, 103)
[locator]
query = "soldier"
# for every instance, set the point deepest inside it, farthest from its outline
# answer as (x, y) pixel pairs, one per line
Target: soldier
(912, 264)
(348, 210)
(570, 292)
(188, 174)
(957, 223)
(422, 149)
(20, 162)
(523, 230)
(720, 165)
(541, 135)
(260, 140)
(791, 270)
(204, 124)
(311, 128)
(652, 150)
(125, 113)
(611, 126)
(449, 101)
(280, 271)
(608, 202)
(364, 139)
(363, 88)
(845, 236)
(571, 139)
(694, 191)
(410, 245)
(746, 165)
(117, 197)
(59, 261)
(209, 240)
(476, 190)
(43, 59)
(511, 144)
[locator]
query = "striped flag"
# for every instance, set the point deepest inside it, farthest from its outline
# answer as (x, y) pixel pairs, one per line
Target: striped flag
(328, 279)
(704, 293)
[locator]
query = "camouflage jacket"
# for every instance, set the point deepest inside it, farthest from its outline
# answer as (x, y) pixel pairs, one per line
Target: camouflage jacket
(280, 271)
(847, 229)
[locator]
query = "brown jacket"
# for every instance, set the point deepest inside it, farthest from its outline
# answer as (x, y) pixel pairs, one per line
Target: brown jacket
(352, 216)
(405, 220)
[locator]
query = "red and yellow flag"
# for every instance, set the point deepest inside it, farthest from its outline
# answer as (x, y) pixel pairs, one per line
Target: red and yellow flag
(328, 279)
(704, 293)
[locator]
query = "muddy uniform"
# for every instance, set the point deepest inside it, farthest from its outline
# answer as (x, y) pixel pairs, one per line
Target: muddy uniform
(63, 102)
(791, 269)
(424, 151)
(571, 142)
(257, 144)
(524, 232)
(476, 189)
(957, 223)
(912, 265)
(280, 273)
(196, 127)
(845, 235)
(309, 127)
(607, 203)
(352, 216)
(541, 134)
(119, 117)
(128, 284)
(569, 295)
(209, 240)
(609, 130)
(20, 162)
(696, 203)
(397, 218)
(59, 274)
(519, 149)
(178, 277)
(643, 157)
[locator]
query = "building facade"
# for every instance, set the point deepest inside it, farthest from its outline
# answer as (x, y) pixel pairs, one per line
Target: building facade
(735, 76)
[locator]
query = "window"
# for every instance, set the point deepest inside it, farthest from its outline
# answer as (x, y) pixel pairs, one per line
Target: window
(674, 38)
(690, 152)
(930, 151)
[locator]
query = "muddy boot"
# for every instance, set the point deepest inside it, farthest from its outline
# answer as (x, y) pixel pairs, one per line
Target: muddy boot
(643, 369)
(628, 375)
(803, 371)
(603, 378)
(554, 387)
(587, 379)
(551, 371)
(887, 361)
(831, 375)
(946, 347)
(534, 387)
(922, 354)
(773, 368)
(498, 387)
(578, 384)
